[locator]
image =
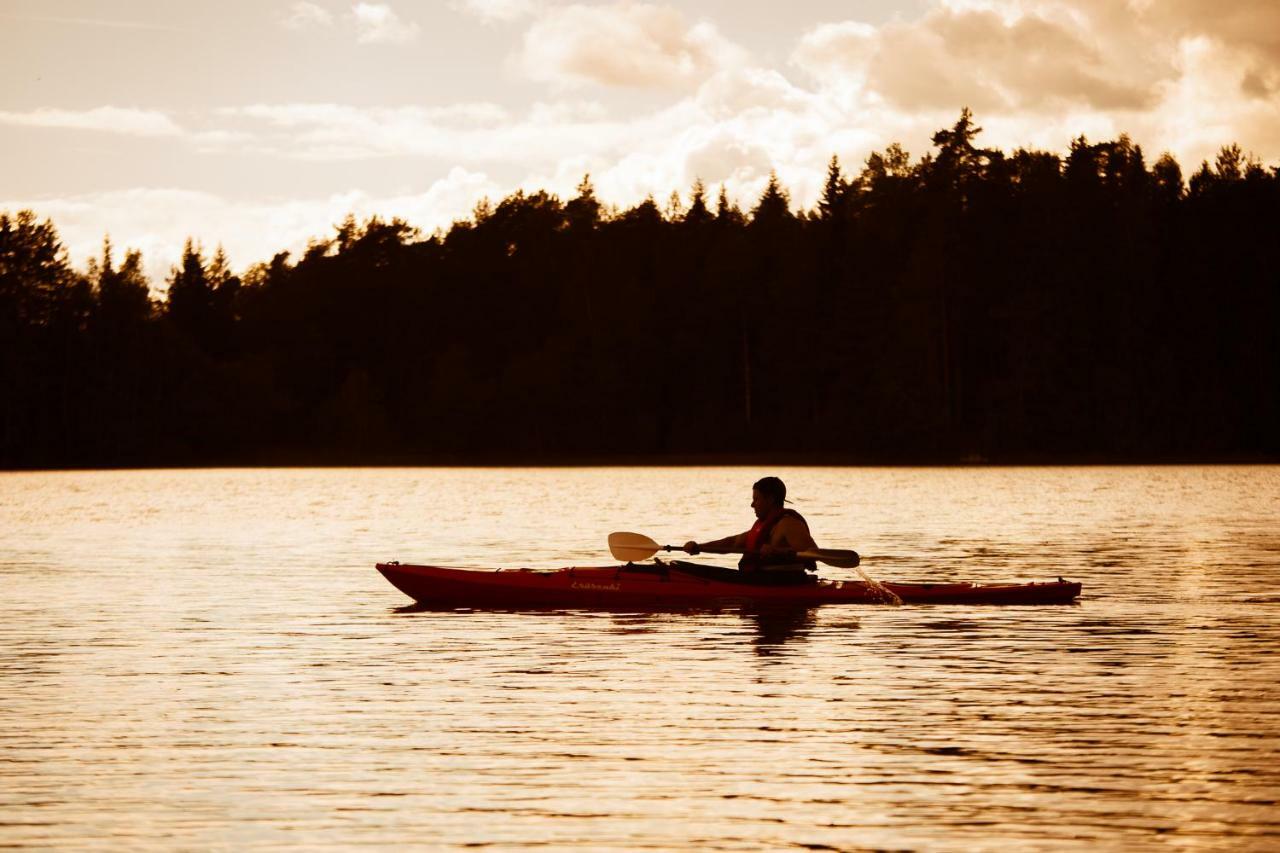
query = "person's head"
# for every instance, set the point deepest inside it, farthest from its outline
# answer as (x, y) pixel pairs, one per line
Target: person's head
(767, 495)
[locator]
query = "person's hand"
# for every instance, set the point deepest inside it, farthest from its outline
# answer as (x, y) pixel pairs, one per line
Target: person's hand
(691, 547)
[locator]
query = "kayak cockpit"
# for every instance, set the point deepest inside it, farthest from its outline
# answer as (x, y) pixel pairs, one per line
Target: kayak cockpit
(721, 574)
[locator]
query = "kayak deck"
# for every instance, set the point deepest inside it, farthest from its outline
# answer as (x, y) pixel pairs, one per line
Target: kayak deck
(659, 585)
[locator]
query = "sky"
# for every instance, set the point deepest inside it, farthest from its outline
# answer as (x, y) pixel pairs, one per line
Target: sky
(259, 125)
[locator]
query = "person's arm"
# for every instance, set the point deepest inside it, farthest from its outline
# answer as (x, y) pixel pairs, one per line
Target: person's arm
(728, 545)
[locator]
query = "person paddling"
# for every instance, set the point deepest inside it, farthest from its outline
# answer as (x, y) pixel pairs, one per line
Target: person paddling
(772, 542)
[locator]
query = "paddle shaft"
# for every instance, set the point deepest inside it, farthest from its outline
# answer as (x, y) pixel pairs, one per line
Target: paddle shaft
(838, 557)
(637, 546)
(831, 556)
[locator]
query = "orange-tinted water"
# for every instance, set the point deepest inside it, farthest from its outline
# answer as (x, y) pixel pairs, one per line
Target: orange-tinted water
(207, 659)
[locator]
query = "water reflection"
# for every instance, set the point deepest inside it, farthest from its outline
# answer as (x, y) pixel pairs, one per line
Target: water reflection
(777, 625)
(772, 626)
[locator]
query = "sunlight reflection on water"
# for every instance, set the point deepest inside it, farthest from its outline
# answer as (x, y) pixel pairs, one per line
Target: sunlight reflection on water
(207, 658)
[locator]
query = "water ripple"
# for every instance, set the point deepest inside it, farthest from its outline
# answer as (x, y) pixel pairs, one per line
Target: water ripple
(206, 659)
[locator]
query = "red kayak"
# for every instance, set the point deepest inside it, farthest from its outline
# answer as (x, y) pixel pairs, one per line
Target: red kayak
(681, 585)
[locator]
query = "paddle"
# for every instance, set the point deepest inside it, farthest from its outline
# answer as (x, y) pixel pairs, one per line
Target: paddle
(636, 546)
(630, 547)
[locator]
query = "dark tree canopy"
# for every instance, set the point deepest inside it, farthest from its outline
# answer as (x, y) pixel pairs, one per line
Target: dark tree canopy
(972, 304)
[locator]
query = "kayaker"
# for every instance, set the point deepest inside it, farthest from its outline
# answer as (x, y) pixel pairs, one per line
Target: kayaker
(772, 542)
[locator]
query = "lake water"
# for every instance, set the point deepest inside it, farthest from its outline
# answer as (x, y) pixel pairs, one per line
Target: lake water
(208, 660)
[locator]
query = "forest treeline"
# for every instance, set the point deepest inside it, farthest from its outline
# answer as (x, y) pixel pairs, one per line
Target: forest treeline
(971, 304)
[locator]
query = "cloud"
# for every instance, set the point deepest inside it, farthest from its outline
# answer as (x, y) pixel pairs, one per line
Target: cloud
(1206, 106)
(1249, 25)
(108, 119)
(498, 10)
(103, 23)
(986, 56)
(475, 135)
(1181, 75)
(372, 23)
(303, 15)
(486, 135)
(465, 131)
(157, 221)
(623, 45)
(378, 23)
(305, 114)
(838, 53)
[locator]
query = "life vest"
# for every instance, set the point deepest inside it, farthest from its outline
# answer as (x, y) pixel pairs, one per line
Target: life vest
(759, 535)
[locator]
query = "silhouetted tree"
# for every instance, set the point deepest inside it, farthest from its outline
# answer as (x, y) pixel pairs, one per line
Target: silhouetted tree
(1033, 306)
(190, 298)
(698, 215)
(44, 312)
(728, 214)
(774, 206)
(583, 210)
(833, 191)
(34, 273)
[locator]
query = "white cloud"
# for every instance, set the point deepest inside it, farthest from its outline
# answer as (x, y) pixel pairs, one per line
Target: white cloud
(158, 221)
(623, 44)
(108, 119)
(302, 115)
(573, 112)
(838, 54)
(473, 134)
(105, 23)
(372, 23)
(1205, 106)
(460, 132)
(303, 15)
(378, 23)
(498, 10)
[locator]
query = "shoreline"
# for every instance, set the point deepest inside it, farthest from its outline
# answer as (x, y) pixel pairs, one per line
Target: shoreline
(674, 460)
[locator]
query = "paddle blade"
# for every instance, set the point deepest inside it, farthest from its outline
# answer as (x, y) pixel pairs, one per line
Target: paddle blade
(629, 547)
(837, 557)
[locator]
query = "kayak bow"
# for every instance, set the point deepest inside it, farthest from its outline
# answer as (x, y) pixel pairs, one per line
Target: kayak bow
(679, 584)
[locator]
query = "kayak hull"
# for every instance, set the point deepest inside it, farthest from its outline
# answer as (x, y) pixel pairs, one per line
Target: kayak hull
(658, 586)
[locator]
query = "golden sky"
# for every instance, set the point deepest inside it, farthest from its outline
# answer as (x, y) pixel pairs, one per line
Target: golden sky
(260, 124)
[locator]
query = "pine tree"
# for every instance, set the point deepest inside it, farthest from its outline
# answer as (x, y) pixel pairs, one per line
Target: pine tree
(833, 191)
(123, 294)
(774, 206)
(727, 214)
(583, 211)
(697, 214)
(190, 297)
